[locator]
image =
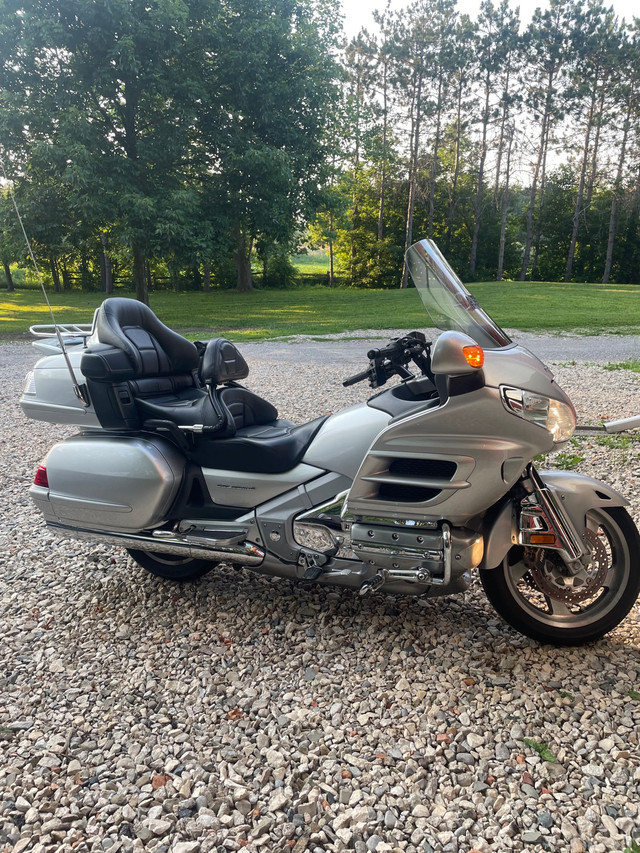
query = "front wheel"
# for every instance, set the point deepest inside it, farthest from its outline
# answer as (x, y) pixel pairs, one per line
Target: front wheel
(539, 595)
(171, 567)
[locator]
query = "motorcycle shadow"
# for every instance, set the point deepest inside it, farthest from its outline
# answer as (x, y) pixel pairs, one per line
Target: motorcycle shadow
(466, 619)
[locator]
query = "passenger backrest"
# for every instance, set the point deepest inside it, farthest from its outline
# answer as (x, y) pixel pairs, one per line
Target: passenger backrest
(131, 353)
(222, 366)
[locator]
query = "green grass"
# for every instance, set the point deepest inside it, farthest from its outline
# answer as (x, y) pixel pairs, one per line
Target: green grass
(314, 261)
(319, 311)
(633, 365)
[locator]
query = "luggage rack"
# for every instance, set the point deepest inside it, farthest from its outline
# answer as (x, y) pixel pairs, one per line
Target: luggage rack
(47, 338)
(79, 330)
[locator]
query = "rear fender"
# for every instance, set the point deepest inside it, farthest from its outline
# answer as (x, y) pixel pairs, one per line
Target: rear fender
(576, 494)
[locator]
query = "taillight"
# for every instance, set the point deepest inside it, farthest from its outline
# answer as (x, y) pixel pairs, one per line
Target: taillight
(41, 478)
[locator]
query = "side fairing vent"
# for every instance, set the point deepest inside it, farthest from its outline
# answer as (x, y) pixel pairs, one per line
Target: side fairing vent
(410, 480)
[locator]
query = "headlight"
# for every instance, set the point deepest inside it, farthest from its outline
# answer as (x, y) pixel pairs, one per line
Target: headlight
(556, 417)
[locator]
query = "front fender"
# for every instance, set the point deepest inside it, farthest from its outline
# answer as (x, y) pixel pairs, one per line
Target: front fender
(576, 494)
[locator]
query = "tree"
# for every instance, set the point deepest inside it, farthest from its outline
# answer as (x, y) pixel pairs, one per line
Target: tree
(424, 64)
(627, 98)
(267, 77)
(104, 84)
(497, 35)
(596, 48)
(547, 40)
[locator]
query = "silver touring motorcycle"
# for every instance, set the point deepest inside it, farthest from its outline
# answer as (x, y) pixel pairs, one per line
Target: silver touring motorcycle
(408, 493)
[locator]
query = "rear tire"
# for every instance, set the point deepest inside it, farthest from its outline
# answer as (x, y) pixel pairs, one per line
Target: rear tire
(171, 567)
(552, 606)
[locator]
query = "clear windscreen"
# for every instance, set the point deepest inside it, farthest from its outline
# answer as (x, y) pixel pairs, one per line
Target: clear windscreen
(447, 300)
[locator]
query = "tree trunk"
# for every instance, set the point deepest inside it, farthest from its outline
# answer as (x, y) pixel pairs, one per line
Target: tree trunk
(55, 275)
(593, 168)
(456, 171)
(477, 208)
(139, 275)
(413, 176)
(503, 130)
(67, 284)
(197, 278)
(7, 274)
(542, 200)
(331, 273)
(383, 176)
(577, 210)
(107, 271)
(436, 148)
(613, 215)
(206, 276)
(505, 207)
(534, 182)
(242, 258)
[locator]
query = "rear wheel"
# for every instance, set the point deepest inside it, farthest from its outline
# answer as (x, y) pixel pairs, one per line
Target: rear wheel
(171, 567)
(539, 595)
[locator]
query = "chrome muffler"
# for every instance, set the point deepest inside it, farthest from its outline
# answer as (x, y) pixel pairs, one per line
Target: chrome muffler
(239, 553)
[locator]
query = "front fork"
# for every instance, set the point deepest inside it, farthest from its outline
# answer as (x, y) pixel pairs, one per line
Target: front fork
(544, 523)
(548, 509)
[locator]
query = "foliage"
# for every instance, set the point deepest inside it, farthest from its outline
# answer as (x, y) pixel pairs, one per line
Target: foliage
(184, 130)
(541, 748)
(150, 143)
(633, 365)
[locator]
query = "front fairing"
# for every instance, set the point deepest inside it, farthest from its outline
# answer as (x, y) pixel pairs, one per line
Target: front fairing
(452, 307)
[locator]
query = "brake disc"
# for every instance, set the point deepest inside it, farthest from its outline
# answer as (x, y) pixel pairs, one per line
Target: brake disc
(551, 576)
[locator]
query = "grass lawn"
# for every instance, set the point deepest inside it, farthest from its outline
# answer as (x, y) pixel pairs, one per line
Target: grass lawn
(585, 308)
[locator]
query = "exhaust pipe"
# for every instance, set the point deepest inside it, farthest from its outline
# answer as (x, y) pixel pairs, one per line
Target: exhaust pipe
(240, 554)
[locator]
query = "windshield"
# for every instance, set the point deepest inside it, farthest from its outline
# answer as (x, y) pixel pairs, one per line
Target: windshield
(449, 303)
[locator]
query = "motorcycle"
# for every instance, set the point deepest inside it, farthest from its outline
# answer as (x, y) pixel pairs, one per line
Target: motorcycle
(407, 493)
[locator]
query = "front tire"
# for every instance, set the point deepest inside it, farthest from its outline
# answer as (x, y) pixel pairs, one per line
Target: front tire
(536, 594)
(171, 567)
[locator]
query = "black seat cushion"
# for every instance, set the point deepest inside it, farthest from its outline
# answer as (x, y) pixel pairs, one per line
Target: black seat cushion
(245, 407)
(170, 398)
(266, 448)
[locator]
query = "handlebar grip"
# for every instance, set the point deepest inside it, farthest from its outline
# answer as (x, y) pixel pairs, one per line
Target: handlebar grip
(357, 378)
(382, 352)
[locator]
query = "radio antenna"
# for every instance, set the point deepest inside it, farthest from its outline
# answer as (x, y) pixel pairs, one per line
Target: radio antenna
(79, 390)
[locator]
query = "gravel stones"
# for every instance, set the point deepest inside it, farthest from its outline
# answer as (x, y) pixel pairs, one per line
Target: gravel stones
(140, 715)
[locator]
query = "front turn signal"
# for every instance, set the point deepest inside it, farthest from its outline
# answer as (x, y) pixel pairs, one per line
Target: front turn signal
(474, 356)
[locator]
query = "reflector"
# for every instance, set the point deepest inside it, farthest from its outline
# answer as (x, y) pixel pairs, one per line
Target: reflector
(542, 539)
(41, 477)
(474, 356)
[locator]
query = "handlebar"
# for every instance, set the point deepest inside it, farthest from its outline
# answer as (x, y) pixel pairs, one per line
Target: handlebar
(358, 377)
(393, 358)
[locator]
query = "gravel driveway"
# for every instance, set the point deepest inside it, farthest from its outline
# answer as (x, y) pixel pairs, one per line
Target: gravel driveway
(246, 713)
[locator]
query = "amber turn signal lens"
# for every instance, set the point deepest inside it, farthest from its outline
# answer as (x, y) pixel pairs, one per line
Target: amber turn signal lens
(474, 356)
(542, 539)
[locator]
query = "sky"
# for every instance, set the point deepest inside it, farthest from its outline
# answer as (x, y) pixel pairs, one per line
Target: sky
(358, 12)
